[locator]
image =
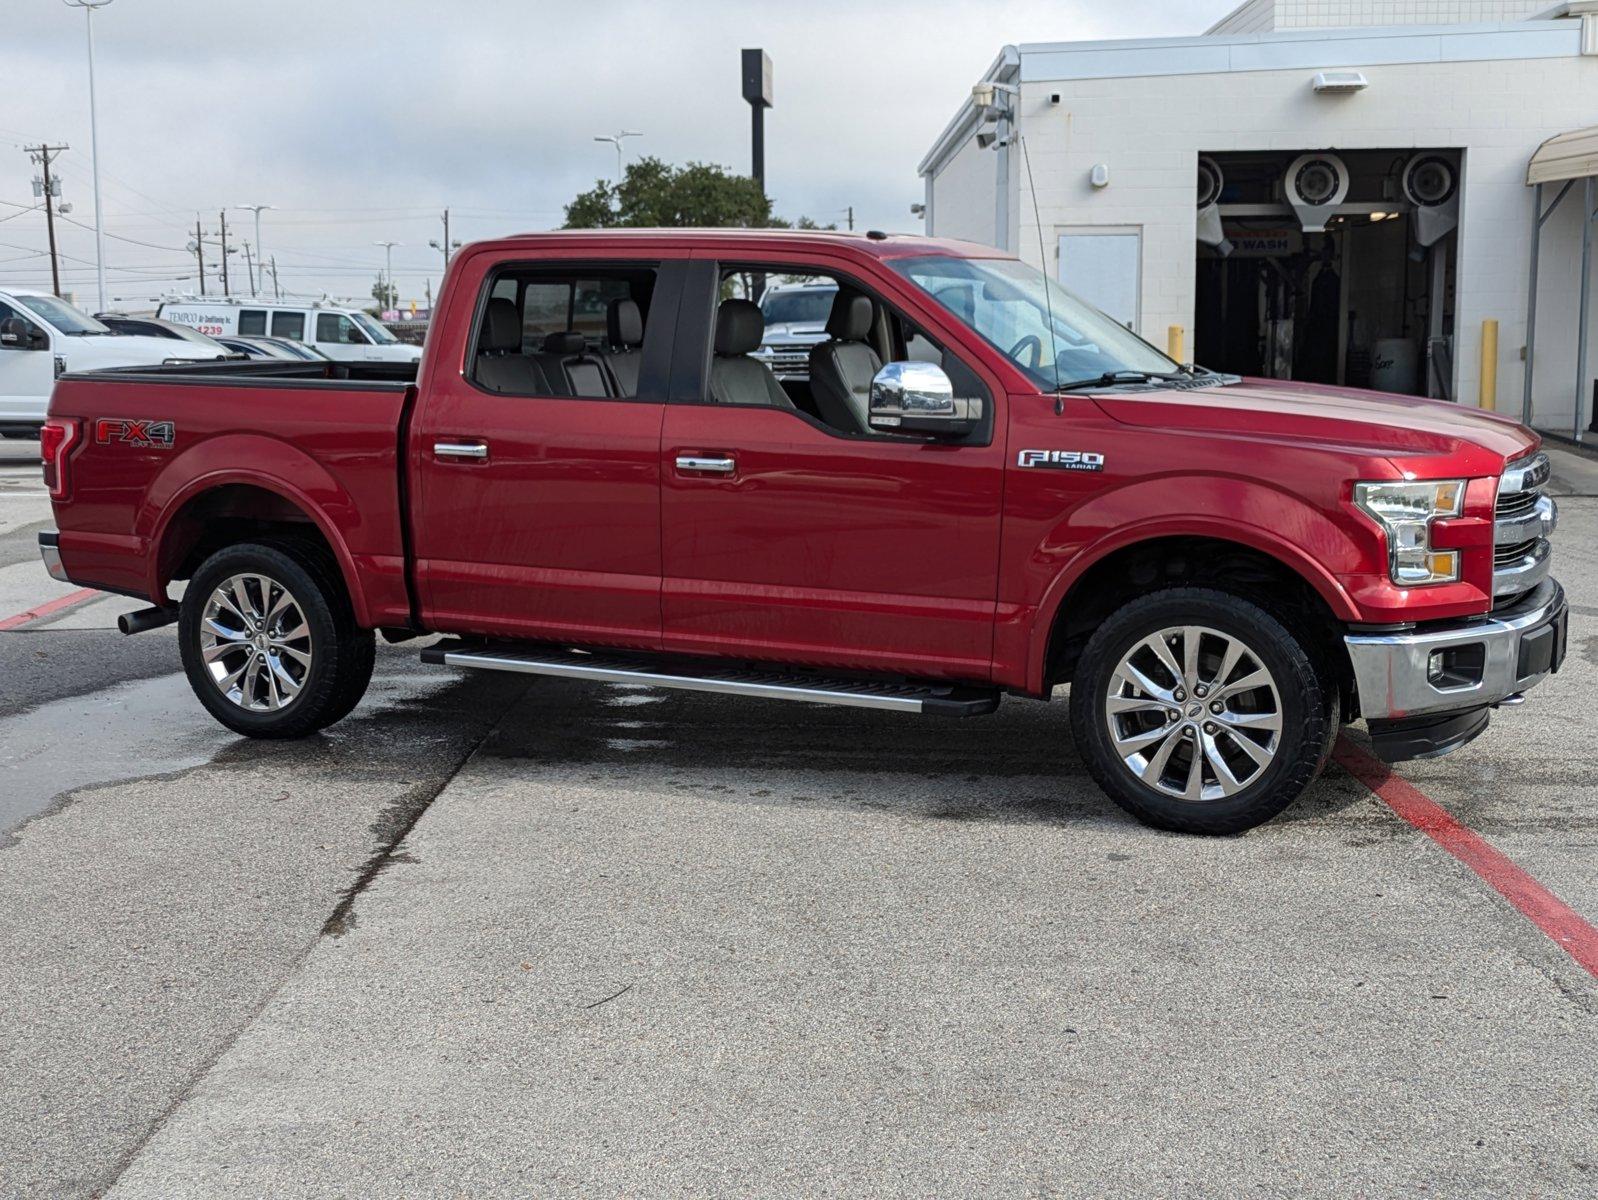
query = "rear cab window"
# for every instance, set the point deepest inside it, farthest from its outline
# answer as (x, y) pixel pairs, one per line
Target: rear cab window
(573, 330)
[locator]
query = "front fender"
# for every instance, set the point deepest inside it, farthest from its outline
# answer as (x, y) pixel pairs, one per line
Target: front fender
(274, 466)
(1247, 512)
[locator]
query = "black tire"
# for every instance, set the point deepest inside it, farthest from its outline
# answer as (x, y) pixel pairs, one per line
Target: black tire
(341, 653)
(1305, 703)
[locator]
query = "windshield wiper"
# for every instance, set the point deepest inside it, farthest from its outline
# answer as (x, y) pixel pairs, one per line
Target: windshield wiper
(1115, 379)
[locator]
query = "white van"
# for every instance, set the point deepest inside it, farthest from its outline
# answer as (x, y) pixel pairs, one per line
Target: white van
(42, 336)
(345, 334)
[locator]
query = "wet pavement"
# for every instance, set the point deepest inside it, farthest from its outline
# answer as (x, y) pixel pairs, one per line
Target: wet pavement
(498, 937)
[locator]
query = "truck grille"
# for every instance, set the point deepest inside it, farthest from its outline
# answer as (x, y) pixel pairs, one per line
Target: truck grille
(789, 363)
(1524, 517)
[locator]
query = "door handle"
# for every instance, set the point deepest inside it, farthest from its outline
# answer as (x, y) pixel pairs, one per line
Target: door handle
(707, 464)
(460, 449)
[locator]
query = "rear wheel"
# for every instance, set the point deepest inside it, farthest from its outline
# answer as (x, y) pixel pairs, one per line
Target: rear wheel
(269, 641)
(1199, 711)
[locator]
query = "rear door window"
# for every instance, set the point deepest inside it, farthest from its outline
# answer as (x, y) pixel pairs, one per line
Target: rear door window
(252, 322)
(289, 325)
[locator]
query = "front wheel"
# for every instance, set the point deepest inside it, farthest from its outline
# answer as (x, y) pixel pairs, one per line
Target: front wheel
(1198, 711)
(269, 641)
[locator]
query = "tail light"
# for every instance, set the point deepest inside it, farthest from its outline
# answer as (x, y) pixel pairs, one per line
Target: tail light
(56, 440)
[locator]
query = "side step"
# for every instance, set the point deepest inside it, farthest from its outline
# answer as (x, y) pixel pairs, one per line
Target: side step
(701, 675)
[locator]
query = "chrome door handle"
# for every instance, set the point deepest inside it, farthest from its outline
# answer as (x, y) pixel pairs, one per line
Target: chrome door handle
(706, 465)
(460, 449)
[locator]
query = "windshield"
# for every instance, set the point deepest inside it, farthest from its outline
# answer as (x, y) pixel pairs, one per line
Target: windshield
(62, 315)
(373, 330)
(808, 307)
(1009, 304)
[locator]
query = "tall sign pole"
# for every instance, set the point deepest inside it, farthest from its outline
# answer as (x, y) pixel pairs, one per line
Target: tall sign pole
(757, 90)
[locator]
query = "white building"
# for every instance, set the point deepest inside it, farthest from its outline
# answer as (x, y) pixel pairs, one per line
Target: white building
(1362, 211)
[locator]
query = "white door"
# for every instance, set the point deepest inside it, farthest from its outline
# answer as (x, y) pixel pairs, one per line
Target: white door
(27, 373)
(1103, 267)
(339, 337)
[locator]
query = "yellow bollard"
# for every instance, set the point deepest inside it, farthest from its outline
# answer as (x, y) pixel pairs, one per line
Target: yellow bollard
(1173, 343)
(1489, 365)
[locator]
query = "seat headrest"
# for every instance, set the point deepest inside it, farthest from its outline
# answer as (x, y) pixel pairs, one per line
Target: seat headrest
(624, 324)
(739, 327)
(850, 318)
(567, 342)
(502, 326)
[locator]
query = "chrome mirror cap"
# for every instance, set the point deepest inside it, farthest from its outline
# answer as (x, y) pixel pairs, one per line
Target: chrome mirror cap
(918, 397)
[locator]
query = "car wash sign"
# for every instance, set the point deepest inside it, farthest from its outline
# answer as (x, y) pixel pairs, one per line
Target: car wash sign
(1266, 243)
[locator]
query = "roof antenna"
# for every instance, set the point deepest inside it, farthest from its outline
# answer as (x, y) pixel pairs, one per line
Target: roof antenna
(1043, 263)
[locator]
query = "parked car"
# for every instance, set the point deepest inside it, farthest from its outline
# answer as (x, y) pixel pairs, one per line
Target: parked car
(1222, 571)
(42, 336)
(342, 334)
(153, 327)
(796, 320)
(273, 348)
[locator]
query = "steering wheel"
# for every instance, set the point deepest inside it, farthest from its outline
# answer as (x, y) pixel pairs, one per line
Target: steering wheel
(1031, 344)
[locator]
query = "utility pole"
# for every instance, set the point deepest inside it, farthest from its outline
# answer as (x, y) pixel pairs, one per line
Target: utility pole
(851, 218)
(277, 292)
(446, 247)
(249, 268)
(388, 273)
(48, 188)
(199, 250)
(223, 216)
(757, 90)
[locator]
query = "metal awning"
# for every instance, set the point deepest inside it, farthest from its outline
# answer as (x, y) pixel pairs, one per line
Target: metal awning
(1563, 160)
(1572, 155)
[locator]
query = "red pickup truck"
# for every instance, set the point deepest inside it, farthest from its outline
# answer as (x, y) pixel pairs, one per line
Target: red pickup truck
(978, 486)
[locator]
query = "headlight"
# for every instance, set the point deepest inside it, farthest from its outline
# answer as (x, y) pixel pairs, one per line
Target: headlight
(1405, 511)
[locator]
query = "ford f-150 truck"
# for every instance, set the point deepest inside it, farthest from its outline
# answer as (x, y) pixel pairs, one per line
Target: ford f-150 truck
(1222, 571)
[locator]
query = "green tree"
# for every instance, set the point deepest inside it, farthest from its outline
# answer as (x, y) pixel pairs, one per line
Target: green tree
(654, 194)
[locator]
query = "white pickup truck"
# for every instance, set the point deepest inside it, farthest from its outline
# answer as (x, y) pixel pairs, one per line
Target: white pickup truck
(42, 336)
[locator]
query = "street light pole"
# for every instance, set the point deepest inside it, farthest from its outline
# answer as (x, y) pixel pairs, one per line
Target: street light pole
(388, 271)
(615, 139)
(88, 7)
(259, 257)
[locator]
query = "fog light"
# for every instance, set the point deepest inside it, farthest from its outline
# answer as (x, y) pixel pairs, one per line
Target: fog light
(1456, 666)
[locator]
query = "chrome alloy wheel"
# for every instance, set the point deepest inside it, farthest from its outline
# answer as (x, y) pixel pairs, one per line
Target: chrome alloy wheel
(255, 642)
(1194, 713)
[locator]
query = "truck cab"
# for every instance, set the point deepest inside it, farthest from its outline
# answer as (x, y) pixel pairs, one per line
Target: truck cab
(981, 488)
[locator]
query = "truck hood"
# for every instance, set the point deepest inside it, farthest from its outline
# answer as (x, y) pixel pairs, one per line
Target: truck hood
(1366, 423)
(122, 350)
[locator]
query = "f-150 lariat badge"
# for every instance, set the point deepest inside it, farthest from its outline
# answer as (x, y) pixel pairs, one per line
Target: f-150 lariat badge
(1062, 460)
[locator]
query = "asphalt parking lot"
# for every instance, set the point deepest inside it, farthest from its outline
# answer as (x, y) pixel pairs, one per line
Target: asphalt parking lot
(492, 937)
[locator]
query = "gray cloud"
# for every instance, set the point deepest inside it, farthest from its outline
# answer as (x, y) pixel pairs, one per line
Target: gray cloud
(361, 120)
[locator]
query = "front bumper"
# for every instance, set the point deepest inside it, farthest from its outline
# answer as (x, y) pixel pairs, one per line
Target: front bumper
(1427, 690)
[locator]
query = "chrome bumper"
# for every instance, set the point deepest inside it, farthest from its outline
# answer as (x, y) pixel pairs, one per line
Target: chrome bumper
(50, 551)
(1485, 659)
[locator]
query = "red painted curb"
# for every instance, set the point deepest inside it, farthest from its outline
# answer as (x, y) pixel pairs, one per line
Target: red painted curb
(48, 609)
(1569, 931)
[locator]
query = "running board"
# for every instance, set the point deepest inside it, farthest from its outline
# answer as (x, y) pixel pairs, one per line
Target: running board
(699, 675)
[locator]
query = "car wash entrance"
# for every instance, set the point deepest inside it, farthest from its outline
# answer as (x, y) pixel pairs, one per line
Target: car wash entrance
(1329, 267)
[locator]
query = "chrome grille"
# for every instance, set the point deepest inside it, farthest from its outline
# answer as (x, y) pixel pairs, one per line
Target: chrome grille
(1523, 519)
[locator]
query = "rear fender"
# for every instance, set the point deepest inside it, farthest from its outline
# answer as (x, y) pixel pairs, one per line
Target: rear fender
(275, 466)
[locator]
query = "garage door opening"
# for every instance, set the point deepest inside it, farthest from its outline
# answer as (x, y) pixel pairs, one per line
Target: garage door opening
(1329, 267)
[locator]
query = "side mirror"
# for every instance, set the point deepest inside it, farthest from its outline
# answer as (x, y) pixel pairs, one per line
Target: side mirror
(17, 334)
(917, 397)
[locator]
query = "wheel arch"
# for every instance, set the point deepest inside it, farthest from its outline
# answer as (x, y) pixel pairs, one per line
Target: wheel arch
(226, 507)
(1225, 557)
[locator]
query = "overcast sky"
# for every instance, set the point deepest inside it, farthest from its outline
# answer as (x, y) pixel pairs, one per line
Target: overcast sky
(361, 119)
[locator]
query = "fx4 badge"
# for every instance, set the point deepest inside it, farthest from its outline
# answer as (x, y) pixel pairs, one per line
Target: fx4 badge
(128, 432)
(1062, 460)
